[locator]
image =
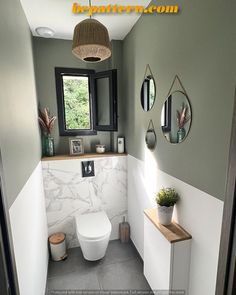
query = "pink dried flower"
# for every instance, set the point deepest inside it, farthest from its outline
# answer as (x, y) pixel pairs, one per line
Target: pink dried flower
(182, 116)
(46, 121)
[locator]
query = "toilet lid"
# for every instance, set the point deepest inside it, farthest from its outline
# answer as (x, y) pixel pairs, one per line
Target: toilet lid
(93, 225)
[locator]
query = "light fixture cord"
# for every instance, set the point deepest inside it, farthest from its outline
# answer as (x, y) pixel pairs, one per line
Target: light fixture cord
(90, 7)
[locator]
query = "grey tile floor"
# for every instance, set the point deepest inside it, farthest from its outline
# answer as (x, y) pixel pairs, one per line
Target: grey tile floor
(119, 271)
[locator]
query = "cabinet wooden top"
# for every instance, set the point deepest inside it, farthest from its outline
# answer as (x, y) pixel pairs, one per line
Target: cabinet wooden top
(83, 156)
(173, 232)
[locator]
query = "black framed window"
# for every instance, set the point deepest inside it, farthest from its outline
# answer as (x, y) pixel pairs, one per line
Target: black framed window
(105, 93)
(87, 101)
(74, 101)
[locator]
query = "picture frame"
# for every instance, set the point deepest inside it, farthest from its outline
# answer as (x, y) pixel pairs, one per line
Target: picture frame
(76, 146)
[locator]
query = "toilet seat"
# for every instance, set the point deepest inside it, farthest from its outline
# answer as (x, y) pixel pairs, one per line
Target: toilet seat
(93, 226)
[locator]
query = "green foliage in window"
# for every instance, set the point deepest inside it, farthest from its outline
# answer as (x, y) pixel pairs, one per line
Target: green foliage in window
(76, 98)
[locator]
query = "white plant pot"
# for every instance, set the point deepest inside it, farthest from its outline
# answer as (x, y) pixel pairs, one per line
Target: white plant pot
(164, 214)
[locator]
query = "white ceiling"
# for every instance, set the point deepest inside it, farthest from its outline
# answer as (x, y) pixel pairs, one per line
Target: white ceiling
(58, 16)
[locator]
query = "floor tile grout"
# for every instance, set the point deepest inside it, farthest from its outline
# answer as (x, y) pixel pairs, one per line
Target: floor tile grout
(106, 274)
(98, 266)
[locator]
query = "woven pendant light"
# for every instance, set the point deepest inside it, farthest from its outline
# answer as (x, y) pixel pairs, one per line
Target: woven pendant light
(91, 41)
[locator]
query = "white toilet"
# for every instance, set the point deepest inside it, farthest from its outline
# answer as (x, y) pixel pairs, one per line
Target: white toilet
(93, 232)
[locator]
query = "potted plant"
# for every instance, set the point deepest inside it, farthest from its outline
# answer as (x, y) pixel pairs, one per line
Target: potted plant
(166, 198)
(46, 123)
(182, 119)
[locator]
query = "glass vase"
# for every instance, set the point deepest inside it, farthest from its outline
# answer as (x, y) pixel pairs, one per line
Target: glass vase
(48, 145)
(181, 135)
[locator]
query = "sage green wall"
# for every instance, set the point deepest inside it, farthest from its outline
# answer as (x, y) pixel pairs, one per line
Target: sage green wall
(117, 58)
(199, 45)
(51, 53)
(19, 132)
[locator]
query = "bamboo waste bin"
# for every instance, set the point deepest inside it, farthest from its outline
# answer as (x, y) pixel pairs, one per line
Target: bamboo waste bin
(57, 244)
(124, 231)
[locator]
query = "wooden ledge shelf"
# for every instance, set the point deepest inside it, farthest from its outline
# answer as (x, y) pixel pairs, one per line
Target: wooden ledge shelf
(83, 156)
(173, 232)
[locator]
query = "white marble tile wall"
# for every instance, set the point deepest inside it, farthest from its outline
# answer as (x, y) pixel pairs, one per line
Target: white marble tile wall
(68, 194)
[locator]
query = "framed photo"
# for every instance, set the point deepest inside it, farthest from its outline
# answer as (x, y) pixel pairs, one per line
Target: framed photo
(76, 146)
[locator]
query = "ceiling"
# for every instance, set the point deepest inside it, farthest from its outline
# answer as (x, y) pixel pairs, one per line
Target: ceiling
(58, 16)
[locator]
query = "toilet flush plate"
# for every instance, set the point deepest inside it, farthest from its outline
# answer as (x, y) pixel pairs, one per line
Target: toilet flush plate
(87, 168)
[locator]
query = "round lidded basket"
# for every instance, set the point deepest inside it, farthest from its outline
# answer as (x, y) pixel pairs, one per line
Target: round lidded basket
(57, 244)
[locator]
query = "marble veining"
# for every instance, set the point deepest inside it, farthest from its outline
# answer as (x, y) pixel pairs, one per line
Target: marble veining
(68, 194)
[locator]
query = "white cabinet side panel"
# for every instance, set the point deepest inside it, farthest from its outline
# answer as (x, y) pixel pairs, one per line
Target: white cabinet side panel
(181, 266)
(157, 259)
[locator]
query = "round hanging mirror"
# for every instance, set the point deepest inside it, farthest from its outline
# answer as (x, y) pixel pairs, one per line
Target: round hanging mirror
(150, 137)
(148, 90)
(176, 117)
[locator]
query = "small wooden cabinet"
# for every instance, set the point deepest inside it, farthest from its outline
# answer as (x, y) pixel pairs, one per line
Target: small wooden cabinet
(166, 254)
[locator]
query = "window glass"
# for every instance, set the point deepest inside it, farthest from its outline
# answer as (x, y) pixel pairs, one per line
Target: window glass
(103, 101)
(76, 102)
